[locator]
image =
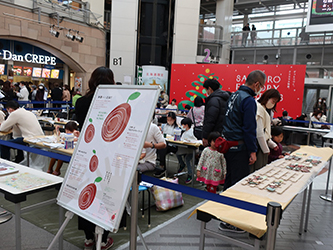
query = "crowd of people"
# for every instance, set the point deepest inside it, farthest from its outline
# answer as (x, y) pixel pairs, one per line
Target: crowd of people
(244, 125)
(27, 91)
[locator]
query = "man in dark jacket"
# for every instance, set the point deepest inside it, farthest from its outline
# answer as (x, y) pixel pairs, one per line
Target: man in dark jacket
(214, 109)
(240, 125)
(56, 94)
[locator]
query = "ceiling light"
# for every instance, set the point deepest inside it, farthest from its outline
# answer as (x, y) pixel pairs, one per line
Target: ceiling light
(54, 32)
(78, 38)
(70, 36)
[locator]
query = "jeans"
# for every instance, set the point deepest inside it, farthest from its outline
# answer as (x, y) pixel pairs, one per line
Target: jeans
(5, 151)
(188, 158)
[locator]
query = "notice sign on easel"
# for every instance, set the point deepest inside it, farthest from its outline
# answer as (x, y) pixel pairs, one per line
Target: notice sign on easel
(101, 170)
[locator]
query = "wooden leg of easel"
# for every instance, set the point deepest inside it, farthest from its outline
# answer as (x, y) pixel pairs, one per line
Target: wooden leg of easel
(69, 215)
(99, 232)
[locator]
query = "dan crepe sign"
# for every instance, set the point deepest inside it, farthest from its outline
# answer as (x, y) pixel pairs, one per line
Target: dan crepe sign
(187, 82)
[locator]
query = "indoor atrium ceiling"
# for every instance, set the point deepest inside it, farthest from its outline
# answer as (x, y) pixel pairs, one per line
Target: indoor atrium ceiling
(243, 7)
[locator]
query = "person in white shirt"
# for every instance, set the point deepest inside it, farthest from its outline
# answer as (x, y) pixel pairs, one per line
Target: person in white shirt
(154, 140)
(172, 105)
(267, 101)
(187, 136)
(23, 95)
(23, 123)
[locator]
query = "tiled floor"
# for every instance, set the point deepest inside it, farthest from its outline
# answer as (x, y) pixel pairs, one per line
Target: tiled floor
(179, 232)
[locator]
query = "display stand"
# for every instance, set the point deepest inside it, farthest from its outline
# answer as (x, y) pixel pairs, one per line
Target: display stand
(103, 165)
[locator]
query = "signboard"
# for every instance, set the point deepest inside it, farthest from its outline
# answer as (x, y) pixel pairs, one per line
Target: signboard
(100, 173)
(320, 16)
(28, 57)
(155, 75)
(187, 82)
(78, 84)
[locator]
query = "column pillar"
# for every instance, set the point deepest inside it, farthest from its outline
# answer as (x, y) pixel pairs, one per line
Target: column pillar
(186, 28)
(123, 42)
(66, 75)
(224, 12)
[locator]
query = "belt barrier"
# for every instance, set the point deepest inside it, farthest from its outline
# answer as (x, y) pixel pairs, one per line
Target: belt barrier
(207, 196)
(36, 150)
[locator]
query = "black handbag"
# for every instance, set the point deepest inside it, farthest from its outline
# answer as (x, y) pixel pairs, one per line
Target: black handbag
(197, 131)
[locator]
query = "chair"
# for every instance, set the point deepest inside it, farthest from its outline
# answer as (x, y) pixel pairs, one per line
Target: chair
(142, 189)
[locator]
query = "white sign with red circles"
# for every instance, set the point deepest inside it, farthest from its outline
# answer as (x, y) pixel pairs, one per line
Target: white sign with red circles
(101, 170)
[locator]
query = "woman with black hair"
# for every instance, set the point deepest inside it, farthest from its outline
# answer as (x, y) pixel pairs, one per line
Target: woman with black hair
(167, 129)
(197, 114)
(101, 75)
(266, 104)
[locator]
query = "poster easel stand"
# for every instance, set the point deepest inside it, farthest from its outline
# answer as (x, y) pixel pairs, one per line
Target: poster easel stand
(135, 230)
(69, 215)
(99, 232)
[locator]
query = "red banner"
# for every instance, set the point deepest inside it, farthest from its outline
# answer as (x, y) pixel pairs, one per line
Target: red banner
(187, 82)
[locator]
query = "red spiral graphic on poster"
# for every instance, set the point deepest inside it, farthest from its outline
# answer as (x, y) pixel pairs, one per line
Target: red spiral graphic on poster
(89, 134)
(93, 164)
(116, 122)
(87, 196)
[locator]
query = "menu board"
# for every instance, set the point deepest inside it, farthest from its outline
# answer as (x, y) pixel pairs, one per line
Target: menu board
(55, 73)
(101, 170)
(17, 70)
(2, 69)
(46, 73)
(27, 71)
(36, 72)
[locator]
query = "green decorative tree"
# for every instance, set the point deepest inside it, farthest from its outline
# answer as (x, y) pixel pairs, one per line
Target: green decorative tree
(197, 89)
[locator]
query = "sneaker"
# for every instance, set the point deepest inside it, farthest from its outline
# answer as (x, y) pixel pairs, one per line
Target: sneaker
(180, 170)
(159, 173)
(89, 244)
(107, 245)
(188, 180)
(226, 227)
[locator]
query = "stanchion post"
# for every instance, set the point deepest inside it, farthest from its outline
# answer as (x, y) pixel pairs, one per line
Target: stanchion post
(309, 134)
(273, 217)
(134, 211)
(325, 196)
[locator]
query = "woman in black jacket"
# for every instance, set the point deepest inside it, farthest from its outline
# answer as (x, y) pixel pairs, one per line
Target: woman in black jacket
(216, 104)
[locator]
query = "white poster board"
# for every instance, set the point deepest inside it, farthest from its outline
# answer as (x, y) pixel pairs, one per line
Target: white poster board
(101, 170)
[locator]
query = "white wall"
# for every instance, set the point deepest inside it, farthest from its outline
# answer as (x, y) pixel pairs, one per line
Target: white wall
(97, 7)
(186, 28)
(124, 18)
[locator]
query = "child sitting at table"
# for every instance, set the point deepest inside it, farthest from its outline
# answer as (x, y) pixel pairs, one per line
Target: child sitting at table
(187, 136)
(212, 166)
(70, 127)
(277, 137)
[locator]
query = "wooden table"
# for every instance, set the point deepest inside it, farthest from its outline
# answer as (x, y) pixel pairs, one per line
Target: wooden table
(41, 145)
(254, 223)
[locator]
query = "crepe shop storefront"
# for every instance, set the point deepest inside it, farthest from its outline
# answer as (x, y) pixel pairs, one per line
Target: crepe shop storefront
(24, 62)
